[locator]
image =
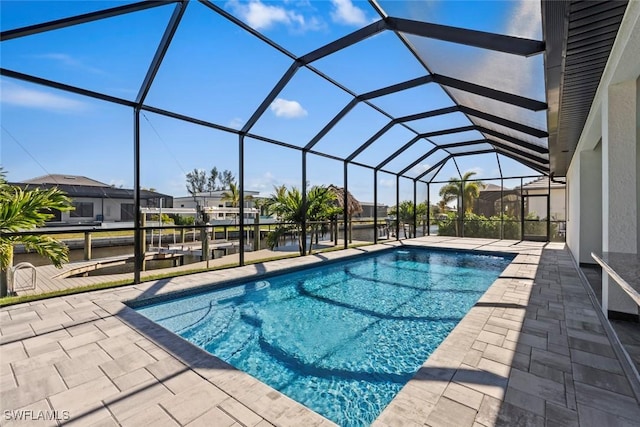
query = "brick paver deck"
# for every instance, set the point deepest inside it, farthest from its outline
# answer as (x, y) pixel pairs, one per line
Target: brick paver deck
(533, 351)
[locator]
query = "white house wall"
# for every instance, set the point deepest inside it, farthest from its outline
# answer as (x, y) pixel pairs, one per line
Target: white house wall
(613, 120)
(109, 208)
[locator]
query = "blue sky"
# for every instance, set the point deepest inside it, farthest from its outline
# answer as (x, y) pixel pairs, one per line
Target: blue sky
(217, 72)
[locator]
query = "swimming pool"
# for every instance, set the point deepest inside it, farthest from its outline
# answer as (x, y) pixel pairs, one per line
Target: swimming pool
(342, 338)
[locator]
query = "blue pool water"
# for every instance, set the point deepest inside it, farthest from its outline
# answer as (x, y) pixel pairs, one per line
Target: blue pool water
(342, 338)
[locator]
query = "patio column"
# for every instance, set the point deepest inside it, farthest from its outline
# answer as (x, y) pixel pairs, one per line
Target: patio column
(620, 164)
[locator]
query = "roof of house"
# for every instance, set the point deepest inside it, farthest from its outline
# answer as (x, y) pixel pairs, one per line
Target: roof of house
(81, 186)
(543, 183)
(66, 179)
(491, 187)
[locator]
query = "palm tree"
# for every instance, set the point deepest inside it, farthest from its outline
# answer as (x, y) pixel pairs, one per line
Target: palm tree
(22, 210)
(404, 215)
(232, 195)
(286, 204)
(321, 206)
(456, 188)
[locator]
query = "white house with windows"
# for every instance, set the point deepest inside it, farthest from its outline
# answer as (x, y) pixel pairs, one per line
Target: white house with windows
(94, 201)
(217, 209)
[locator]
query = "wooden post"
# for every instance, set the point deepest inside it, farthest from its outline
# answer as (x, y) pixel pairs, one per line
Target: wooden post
(204, 237)
(87, 246)
(256, 233)
(143, 239)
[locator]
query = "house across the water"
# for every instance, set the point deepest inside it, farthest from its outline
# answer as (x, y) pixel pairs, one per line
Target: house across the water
(94, 201)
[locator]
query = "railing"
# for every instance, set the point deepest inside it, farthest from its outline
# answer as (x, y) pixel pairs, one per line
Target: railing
(625, 270)
(15, 281)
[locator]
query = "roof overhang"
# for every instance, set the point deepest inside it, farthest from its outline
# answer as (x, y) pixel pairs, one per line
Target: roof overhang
(579, 36)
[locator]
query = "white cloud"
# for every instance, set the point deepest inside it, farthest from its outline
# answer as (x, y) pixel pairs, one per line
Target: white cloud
(15, 94)
(265, 183)
(69, 62)
(262, 183)
(236, 123)
(263, 16)
(388, 183)
(287, 109)
(346, 12)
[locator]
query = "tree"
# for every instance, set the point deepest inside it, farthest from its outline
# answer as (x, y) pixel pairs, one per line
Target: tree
(462, 191)
(22, 210)
(196, 181)
(405, 216)
(227, 179)
(286, 204)
(213, 179)
(232, 195)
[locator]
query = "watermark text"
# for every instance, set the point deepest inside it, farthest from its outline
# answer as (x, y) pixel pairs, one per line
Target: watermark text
(35, 415)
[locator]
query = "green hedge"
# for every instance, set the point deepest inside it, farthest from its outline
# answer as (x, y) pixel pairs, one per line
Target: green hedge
(480, 226)
(489, 228)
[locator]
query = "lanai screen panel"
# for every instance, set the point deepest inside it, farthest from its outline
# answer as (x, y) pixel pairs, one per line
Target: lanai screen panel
(21, 16)
(300, 26)
(452, 138)
(400, 104)
(415, 152)
(385, 145)
(248, 64)
(440, 122)
(523, 150)
(109, 56)
(526, 137)
(203, 75)
(356, 68)
(535, 119)
(431, 165)
(360, 124)
(301, 109)
(504, 17)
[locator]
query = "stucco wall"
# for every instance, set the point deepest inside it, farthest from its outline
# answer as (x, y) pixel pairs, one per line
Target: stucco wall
(590, 204)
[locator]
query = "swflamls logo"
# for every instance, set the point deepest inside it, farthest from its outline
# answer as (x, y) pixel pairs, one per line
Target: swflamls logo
(31, 415)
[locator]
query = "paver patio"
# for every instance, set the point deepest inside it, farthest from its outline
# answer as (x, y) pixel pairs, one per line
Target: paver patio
(532, 351)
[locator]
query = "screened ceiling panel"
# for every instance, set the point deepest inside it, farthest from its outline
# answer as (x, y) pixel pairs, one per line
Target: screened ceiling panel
(511, 167)
(452, 138)
(535, 119)
(301, 26)
(540, 142)
(413, 153)
(540, 165)
(488, 169)
(445, 173)
(400, 104)
(362, 72)
(483, 67)
(18, 15)
(301, 74)
(301, 109)
(109, 55)
(424, 164)
(520, 18)
(470, 148)
(386, 145)
(360, 124)
(208, 85)
(519, 148)
(436, 123)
